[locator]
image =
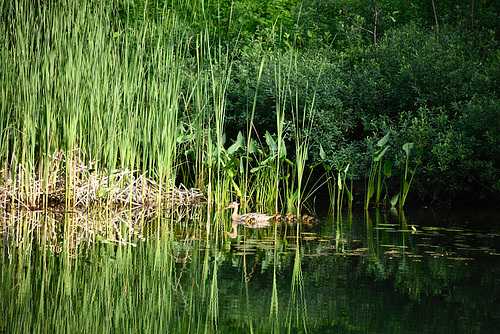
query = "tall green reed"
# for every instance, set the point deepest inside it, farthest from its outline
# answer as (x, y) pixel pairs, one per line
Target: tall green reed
(74, 78)
(118, 93)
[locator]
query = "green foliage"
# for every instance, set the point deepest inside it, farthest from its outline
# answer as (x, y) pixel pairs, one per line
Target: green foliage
(376, 171)
(278, 73)
(461, 152)
(156, 84)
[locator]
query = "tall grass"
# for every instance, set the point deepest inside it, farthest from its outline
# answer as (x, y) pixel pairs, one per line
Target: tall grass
(134, 94)
(73, 79)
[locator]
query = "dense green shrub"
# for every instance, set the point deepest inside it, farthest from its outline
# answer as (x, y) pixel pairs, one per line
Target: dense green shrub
(438, 94)
(461, 156)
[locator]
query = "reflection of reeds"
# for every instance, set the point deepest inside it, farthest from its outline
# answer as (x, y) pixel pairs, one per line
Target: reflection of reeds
(72, 231)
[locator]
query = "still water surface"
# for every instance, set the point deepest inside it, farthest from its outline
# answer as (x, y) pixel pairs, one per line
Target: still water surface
(423, 272)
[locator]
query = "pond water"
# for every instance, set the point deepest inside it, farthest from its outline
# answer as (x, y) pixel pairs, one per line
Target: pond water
(419, 272)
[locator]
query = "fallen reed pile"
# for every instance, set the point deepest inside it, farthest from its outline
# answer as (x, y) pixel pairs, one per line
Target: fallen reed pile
(73, 185)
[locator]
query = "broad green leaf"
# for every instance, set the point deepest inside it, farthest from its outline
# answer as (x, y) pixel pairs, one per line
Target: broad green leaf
(270, 142)
(394, 200)
(235, 186)
(230, 172)
(237, 144)
(242, 168)
(407, 147)
(322, 153)
(290, 163)
(349, 194)
(255, 169)
(266, 161)
(380, 153)
(406, 186)
(387, 168)
(253, 147)
(384, 140)
(282, 149)
(185, 138)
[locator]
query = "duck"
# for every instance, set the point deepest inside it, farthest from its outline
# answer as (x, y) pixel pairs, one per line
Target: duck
(250, 220)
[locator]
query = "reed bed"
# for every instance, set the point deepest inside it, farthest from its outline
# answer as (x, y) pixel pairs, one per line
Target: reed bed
(90, 108)
(98, 112)
(138, 95)
(119, 189)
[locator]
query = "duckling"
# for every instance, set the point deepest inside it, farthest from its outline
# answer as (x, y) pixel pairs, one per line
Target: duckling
(250, 221)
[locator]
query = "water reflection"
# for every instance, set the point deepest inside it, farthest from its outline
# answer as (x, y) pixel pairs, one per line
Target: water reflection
(367, 272)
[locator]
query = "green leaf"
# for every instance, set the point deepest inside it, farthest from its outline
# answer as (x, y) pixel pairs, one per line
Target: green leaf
(242, 168)
(380, 153)
(387, 168)
(253, 147)
(394, 200)
(406, 187)
(349, 194)
(384, 140)
(266, 161)
(282, 149)
(230, 172)
(237, 144)
(185, 138)
(407, 147)
(255, 169)
(270, 142)
(290, 163)
(347, 168)
(422, 152)
(322, 153)
(235, 186)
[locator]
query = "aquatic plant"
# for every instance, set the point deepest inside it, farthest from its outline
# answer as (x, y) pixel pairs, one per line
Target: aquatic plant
(407, 179)
(376, 172)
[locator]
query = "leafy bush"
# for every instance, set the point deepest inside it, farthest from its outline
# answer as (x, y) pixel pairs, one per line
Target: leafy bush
(461, 153)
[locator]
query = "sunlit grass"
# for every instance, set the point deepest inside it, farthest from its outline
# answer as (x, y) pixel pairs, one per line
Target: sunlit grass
(135, 95)
(115, 93)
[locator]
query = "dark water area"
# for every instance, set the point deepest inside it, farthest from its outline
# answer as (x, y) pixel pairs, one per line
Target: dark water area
(379, 274)
(423, 271)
